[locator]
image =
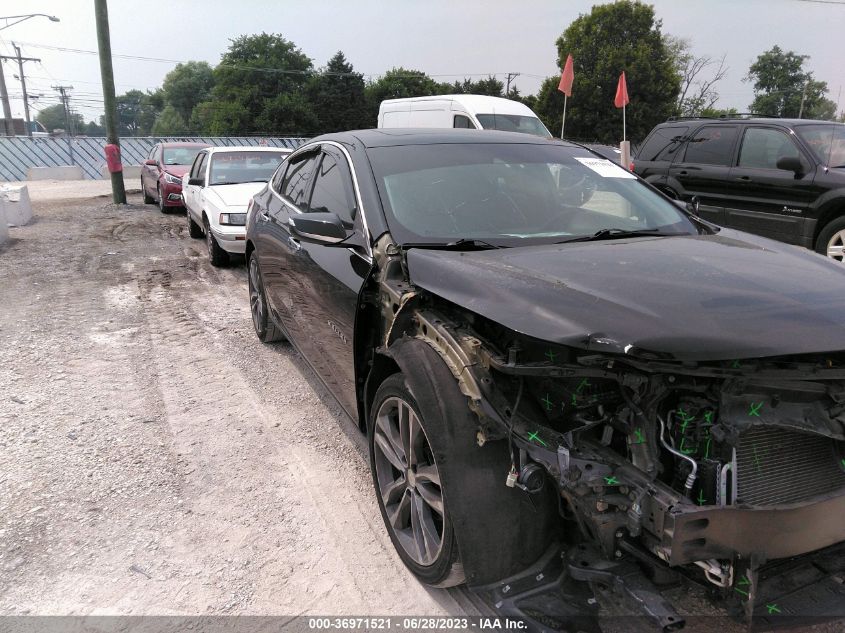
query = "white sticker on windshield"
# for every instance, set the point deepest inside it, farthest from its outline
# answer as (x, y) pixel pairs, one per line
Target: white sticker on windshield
(605, 168)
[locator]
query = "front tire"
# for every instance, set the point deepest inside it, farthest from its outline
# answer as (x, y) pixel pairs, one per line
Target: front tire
(831, 240)
(216, 255)
(265, 329)
(409, 487)
(161, 206)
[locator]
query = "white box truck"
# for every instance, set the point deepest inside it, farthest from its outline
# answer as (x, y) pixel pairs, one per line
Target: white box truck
(461, 111)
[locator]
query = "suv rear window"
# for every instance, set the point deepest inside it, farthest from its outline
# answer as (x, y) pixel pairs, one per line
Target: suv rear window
(711, 145)
(663, 143)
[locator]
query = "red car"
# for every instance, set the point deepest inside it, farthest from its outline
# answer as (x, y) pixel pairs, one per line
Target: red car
(161, 173)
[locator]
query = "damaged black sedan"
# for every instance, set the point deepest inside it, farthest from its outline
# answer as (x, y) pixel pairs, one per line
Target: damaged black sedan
(553, 361)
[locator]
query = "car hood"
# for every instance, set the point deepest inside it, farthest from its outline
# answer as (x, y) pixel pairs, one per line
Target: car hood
(233, 195)
(177, 170)
(715, 297)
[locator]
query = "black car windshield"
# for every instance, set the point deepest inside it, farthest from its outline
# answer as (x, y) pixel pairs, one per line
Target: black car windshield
(180, 155)
(827, 140)
(513, 194)
(229, 168)
(513, 123)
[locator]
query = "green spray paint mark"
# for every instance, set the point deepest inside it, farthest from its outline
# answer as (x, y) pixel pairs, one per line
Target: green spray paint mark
(735, 365)
(743, 581)
(584, 383)
(685, 451)
(535, 437)
(757, 460)
(744, 593)
(701, 498)
(707, 448)
(773, 608)
(843, 463)
(574, 400)
(611, 481)
(754, 411)
(638, 433)
(551, 355)
(708, 417)
(547, 401)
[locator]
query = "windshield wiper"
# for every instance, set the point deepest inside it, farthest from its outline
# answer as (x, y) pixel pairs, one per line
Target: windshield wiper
(456, 245)
(612, 234)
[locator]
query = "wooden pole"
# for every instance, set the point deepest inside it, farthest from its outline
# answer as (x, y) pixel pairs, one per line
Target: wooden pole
(107, 73)
(563, 123)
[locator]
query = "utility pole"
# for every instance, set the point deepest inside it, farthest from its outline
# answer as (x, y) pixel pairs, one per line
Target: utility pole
(7, 108)
(803, 99)
(21, 60)
(68, 130)
(101, 10)
(508, 88)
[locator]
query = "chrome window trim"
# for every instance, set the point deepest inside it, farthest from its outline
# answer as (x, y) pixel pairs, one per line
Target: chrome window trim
(304, 148)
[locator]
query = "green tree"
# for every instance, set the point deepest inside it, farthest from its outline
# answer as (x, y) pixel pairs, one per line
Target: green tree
(251, 81)
(92, 128)
(337, 99)
(613, 37)
(169, 123)
(137, 112)
(781, 84)
(53, 118)
(491, 87)
(187, 85)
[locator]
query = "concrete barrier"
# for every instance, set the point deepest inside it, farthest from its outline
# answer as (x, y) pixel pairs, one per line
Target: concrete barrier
(64, 172)
(16, 202)
(4, 228)
(130, 172)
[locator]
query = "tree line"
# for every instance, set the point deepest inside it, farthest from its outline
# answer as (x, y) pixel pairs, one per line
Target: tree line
(265, 85)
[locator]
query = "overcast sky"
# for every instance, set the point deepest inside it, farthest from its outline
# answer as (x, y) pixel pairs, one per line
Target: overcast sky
(448, 39)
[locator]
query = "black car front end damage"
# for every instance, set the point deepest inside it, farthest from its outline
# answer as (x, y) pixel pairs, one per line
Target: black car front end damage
(724, 472)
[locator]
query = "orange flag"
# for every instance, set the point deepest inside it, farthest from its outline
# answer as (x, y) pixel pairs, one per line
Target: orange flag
(621, 99)
(567, 77)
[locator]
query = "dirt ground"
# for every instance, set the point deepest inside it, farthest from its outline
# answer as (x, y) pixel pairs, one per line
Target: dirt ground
(155, 458)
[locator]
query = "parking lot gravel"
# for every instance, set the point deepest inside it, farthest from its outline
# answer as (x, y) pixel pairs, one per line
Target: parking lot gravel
(156, 458)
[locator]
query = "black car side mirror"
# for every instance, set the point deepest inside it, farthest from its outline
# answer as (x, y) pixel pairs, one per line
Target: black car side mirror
(199, 182)
(790, 163)
(322, 227)
(690, 207)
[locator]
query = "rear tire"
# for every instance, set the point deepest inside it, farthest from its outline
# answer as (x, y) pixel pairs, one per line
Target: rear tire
(409, 488)
(216, 255)
(265, 329)
(148, 199)
(831, 240)
(194, 229)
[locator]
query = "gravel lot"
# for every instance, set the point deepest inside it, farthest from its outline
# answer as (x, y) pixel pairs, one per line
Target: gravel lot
(157, 459)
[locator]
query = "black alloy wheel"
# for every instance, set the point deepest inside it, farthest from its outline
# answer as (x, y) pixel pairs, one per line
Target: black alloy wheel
(265, 329)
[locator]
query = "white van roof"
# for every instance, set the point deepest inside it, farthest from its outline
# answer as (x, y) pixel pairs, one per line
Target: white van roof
(472, 103)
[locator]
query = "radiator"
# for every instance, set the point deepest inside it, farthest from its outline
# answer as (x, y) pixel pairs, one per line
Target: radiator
(779, 466)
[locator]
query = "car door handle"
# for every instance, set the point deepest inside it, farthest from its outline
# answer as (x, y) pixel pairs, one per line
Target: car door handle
(294, 243)
(683, 172)
(263, 215)
(744, 178)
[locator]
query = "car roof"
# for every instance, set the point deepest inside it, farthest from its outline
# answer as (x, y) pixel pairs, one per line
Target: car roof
(388, 137)
(756, 120)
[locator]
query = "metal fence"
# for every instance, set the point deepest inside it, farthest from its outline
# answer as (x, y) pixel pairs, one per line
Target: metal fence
(19, 153)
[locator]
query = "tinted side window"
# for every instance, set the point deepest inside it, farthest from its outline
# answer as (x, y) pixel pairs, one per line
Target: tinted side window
(297, 178)
(278, 178)
(663, 143)
(711, 145)
(762, 147)
(462, 121)
(333, 190)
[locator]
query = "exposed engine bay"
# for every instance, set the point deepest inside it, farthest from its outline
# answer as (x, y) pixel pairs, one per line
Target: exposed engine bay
(727, 473)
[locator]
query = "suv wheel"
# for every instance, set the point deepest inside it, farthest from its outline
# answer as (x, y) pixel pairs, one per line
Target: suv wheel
(831, 240)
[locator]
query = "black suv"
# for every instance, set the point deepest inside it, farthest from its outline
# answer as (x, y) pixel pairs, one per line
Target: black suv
(780, 178)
